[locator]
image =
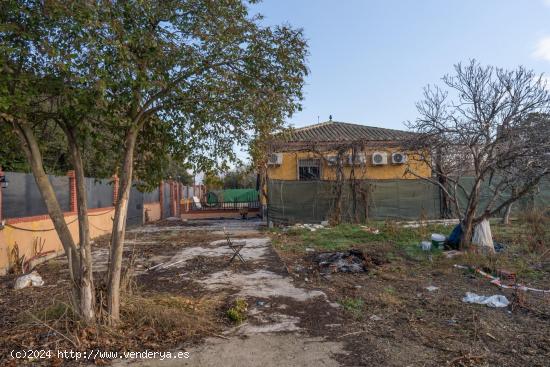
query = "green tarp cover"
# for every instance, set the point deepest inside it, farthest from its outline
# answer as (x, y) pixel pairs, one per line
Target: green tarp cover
(232, 196)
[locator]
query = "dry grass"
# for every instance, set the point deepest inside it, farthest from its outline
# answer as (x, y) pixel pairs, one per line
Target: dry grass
(159, 321)
(171, 313)
(536, 225)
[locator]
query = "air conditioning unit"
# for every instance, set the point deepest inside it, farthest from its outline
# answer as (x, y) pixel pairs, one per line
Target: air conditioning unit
(275, 159)
(332, 160)
(379, 158)
(398, 158)
(360, 159)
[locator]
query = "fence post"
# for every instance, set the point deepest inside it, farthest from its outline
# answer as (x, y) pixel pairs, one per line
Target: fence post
(161, 199)
(72, 191)
(1, 174)
(181, 196)
(115, 189)
(172, 197)
(177, 198)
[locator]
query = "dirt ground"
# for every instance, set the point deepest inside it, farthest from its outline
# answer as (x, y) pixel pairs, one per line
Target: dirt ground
(296, 316)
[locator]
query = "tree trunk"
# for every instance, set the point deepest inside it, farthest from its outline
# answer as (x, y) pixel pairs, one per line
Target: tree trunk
(34, 157)
(467, 232)
(263, 188)
(87, 291)
(508, 210)
(468, 222)
(337, 214)
(506, 216)
(119, 228)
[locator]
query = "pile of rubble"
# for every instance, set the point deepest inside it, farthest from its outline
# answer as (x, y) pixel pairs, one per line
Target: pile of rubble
(352, 261)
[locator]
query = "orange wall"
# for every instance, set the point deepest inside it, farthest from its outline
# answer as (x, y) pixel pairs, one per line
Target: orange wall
(40, 228)
(151, 212)
(288, 170)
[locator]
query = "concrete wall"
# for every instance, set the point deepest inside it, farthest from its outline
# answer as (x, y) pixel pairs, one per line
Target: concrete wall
(288, 170)
(25, 232)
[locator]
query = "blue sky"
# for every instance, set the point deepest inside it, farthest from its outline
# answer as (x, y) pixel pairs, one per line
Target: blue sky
(370, 59)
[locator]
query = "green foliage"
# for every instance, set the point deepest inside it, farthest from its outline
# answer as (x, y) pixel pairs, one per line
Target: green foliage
(194, 77)
(237, 313)
(354, 306)
(240, 178)
(346, 236)
(212, 181)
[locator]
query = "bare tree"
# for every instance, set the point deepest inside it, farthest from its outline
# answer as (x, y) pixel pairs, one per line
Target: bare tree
(487, 124)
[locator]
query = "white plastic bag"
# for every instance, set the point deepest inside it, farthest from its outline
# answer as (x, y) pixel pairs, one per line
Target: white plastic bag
(493, 301)
(483, 237)
(27, 280)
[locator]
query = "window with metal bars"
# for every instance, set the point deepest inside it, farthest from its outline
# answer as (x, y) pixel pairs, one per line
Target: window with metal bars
(309, 169)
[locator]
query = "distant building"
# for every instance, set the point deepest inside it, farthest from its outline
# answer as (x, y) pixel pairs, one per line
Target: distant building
(365, 152)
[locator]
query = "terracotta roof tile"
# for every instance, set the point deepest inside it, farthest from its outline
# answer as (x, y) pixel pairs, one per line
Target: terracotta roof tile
(330, 131)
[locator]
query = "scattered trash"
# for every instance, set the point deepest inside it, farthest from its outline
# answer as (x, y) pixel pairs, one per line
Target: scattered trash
(499, 247)
(370, 230)
(455, 237)
(260, 303)
(311, 227)
(426, 245)
(507, 276)
(29, 280)
(324, 223)
(438, 240)
(432, 288)
(375, 318)
(309, 249)
(496, 281)
(483, 237)
(492, 301)
(452, 253)
(423, 223)
(352, 261)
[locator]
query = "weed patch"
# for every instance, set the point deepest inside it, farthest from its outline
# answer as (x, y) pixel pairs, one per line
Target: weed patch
(353, 305)
(237, 312)
(169, 312)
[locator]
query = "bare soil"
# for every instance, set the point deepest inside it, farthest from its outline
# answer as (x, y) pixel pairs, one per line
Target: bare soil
(296, 316)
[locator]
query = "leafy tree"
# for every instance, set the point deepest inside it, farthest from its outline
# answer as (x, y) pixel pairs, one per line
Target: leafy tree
(483, 126)
(212, 181)
(186, 74)
(240, 178)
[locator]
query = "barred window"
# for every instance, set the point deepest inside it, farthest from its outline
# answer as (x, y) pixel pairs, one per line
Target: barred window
(309, 169)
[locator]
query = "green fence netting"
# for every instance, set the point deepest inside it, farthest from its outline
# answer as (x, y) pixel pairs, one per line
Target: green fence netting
(314, 201)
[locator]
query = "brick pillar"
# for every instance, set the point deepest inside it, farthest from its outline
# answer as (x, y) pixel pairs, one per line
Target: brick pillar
(72, 191)
(178, 199)
(172, 199)
(1, 174)
(116, 187)
(161, 199)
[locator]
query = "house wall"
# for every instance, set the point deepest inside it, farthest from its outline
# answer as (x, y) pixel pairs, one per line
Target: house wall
(288, 170)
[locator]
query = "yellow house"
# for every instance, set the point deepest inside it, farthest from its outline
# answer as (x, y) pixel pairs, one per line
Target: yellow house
(320, 151)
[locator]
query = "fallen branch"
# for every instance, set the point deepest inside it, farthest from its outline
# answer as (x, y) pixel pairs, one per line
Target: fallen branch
(52, 329)
(354, 333)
